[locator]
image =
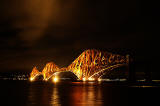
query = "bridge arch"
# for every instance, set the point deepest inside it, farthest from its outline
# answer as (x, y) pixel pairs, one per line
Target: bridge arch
(91, 63)
(102, 72)
(65, 75)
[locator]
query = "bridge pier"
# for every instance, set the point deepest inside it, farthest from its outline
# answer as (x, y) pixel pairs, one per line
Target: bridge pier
(131, 69)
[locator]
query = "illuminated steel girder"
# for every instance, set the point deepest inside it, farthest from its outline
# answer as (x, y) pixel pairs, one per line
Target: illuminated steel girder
(101, 72)
(90, 64)
(34, 73)
(49, 69)
(92, 61)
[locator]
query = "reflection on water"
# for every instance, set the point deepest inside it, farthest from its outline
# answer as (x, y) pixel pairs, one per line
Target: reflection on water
(144, 86)
(25, 93)
(55, 97)
(87, 95)
(76, 94)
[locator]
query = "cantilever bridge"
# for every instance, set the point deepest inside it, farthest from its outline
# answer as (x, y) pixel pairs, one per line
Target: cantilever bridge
(91, 64)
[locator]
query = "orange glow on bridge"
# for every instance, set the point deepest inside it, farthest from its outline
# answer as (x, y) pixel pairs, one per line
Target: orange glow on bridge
(90, 65)
(34, 73)
(49, 70)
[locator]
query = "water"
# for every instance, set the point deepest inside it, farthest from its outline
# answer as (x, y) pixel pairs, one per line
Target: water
(25, 93)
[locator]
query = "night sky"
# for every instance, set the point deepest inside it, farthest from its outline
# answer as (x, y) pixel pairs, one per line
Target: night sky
(34, 32)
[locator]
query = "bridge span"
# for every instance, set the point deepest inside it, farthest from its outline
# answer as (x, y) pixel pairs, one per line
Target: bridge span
(91, 64)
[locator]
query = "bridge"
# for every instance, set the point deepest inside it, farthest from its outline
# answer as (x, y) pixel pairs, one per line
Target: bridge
(91, 64)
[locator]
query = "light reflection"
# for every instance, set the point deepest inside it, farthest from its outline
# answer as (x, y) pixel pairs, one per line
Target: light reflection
(55, 100)
(144, 86)
(156, 80)
(142, 80)
(74, 94)
(87, 95)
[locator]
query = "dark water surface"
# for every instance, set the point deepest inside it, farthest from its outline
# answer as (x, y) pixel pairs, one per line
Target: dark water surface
(25, 93)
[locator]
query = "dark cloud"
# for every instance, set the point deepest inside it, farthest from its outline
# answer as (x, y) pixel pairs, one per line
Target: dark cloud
(33, 32)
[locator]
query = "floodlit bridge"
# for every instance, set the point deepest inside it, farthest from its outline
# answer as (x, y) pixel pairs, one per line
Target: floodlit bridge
(90, 65)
